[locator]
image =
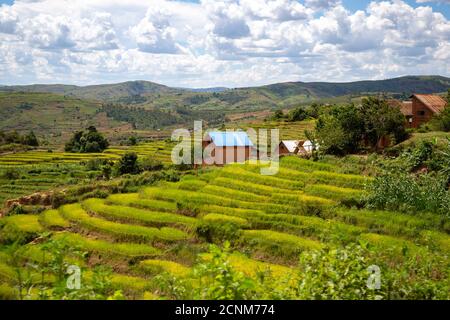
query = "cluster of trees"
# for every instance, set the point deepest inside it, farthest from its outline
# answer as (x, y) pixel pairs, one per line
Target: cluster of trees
(28, 139)
(87, 141)
(298, 114)
(142, 118)
(348, 129)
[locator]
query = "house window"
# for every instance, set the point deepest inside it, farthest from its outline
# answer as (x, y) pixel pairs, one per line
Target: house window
(421, 113)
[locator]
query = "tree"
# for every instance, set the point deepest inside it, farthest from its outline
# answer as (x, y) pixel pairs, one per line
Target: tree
(278, 114)
(128, 164)
(298, 114)
(381, 120)
(346, 129)
(31, 140)
(87, 141)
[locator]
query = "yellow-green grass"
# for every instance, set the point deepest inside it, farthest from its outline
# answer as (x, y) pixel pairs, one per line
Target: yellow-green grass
(125, 213)
(8, 292)
(384, 242)
(53, 219)
(300, 164)
(27, 223)
(154, 267)
(192, 185)
(269, 238)
(239, 173)
(233, 194)
(199, 199)
(238, 212)
(299, 199)
(6, 272)
(77, 215)
(436, 239)
(221, 218)
(134, 199)
(258, 189)
(333, 192)
(340, 179)
(105, 247)
(393, 223)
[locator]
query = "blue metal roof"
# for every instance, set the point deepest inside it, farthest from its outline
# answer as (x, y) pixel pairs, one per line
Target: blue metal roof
(231, 139)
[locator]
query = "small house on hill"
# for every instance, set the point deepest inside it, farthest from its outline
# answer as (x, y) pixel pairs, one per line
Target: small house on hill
(424, 107)
(227, 147)
(420, 109)
(288, 147)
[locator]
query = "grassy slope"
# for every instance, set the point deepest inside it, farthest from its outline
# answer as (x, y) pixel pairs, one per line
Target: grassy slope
(273, 213)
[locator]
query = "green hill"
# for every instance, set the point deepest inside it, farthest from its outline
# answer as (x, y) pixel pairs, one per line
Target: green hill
(95, 92)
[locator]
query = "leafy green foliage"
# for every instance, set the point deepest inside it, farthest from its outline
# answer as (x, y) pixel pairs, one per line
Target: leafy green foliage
(128, 164)
(87, 141)
(398, 191)
(14, 137)
(347, 129)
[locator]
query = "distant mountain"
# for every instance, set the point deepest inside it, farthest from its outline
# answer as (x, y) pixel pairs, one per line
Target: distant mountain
(105, 92)
(403, 85)
(207, 90)
(126, 92)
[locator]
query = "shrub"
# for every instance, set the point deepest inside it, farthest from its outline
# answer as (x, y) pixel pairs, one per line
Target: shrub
(128, 164)
(151, 164)
(403, 192)
(335, 274)
(87, 142)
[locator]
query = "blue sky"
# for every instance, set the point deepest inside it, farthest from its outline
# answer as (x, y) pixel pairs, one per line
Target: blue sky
(221, 42)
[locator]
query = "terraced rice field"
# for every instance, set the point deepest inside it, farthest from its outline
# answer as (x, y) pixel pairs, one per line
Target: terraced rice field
(41, 170)
(306, 206)
(160, 150)
(41, 177)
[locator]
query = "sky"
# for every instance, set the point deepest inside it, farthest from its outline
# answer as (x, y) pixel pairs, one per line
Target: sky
(232, 43)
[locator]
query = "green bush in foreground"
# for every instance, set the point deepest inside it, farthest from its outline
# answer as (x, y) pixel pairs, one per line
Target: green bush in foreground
(327, 274)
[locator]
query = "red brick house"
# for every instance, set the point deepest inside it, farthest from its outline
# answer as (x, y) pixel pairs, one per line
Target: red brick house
(420, 109)
(424, 107)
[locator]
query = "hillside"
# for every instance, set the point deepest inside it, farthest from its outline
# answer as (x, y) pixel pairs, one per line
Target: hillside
(163, 231)
(403, 85)
(276, 93)
(104, 92)
(150, 106)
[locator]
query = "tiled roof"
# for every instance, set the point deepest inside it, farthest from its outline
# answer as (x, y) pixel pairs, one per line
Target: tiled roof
(434, 103)
(404, 106)
(231, 139)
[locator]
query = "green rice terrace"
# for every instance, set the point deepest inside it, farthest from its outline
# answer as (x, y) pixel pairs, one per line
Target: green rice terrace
(156, 242)
(38, 171)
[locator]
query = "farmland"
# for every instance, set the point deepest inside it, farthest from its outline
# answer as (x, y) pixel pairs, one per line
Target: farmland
(41, 170)
(162, 232)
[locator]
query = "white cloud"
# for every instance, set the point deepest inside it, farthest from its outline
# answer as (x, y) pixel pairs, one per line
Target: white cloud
(218, 42)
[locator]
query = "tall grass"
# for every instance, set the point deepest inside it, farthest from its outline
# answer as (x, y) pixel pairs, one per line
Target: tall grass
(124, 213)
(105, 247)
(134, 200)
(76, 214)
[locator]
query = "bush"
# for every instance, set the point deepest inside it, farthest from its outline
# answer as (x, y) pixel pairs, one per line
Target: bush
(151, 164)
(11, 174)
(408, 193)
(128, 164)
(87, 141)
